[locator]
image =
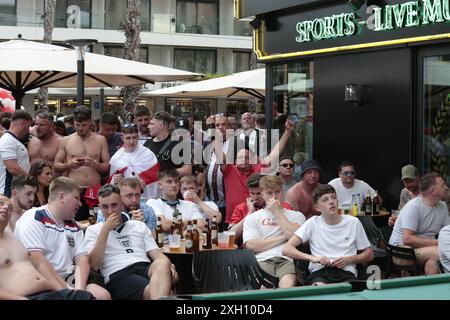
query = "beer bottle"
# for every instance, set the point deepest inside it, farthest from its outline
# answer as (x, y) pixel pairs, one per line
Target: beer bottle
(189, 243)
(206, 236)
(376, 204)
(173, 226)
(179, 223)
(214, 232)
(159, 233)
(195, 236)
(354, 205)
(368, 204)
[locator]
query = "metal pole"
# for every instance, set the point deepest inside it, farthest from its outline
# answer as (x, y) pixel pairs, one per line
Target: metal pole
(80, 82)
(102, 100)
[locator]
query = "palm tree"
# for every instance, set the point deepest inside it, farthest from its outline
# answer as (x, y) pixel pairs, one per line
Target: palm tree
(130, 94)
(49, 24)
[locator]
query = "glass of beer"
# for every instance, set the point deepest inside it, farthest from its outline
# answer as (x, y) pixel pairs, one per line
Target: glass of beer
(174, 242)
(222, 238)
(231, 239)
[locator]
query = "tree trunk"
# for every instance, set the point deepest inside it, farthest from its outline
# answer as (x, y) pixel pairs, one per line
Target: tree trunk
(130, 94)
(49, 24)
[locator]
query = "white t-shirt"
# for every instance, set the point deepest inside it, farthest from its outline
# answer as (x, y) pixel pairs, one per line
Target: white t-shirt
(418, 217)
(189, 210)
(210, 204)
(11, 148)
(444, 248)
(126, 245)
(214, 178)
(345, 195)
(333, 241)
(61, 244)
(262, 224)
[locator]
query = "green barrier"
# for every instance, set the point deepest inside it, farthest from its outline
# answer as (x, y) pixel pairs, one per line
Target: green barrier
(414, 281)
(275, 293)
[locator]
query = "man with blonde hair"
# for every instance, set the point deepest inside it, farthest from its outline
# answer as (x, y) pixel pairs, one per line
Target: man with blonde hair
(267, 230)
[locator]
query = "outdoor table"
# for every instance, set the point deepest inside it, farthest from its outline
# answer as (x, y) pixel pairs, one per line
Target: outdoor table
(183, 262)
(381, 219)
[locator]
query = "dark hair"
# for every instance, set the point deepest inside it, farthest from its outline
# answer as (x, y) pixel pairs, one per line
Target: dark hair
(129, 128)
(109, 118)
(107, 190)
(44, 114)
(6, 123)
(141, 111)
(19, 182)
(172, 173)
(286, 157)
(21, 115)
(60, 124)
(82, 113)
(164, 116)
(253, 180)
(38, 167)
(345, 164)
(130, 182)
(69, 119)
(427, 181)
(321, 190)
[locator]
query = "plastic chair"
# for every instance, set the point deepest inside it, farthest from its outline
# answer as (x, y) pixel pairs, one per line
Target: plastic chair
(411, 265)
(229, 270)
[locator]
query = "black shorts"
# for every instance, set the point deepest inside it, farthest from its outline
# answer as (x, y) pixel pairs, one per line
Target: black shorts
(330, 275)
(93, 278)
(83, 211)
(130, 282)
(63, 294)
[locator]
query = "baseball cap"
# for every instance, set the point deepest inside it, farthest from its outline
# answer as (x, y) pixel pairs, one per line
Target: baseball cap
(310, 164)
(182, 123)
(409, 172)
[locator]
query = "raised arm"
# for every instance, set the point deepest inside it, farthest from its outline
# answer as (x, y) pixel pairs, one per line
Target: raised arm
(279, 147)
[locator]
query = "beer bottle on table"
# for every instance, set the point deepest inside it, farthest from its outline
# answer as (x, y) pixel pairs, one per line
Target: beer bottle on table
(179, 222)
(195, 236)
(189, 243)
(159, 233)
(173, 226)
(214, 232)
(376, 204)
(206, 235)
(368, 204)
(354, 205)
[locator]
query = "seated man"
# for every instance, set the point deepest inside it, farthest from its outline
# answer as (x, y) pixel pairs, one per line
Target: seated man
(126, 254)
(54, 240)
(347, 185)
(267, 230)
(420, 221)
(19, 278)
(334, 240)
(164, 207)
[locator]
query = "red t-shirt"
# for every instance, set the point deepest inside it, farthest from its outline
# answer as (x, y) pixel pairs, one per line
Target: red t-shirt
(241, 211)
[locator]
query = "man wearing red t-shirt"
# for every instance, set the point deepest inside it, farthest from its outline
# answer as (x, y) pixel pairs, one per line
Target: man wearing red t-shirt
(236, 175)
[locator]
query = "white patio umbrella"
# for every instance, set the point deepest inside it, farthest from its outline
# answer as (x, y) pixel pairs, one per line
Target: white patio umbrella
(243, 84)
(26, 65)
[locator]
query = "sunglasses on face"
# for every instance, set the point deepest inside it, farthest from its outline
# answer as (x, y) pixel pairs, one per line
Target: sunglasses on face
(285, 165)
(348, 173)
(129, 125)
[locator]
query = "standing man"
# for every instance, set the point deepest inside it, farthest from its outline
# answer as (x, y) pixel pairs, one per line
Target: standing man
(126, 254)
(142, 121)
(55, 242)
(410, 179)
(14, 158)
(300, 196)
(161, 144)
(420, 221)
(44, 145)
(108, 128)
(22, 199)
(85, 155)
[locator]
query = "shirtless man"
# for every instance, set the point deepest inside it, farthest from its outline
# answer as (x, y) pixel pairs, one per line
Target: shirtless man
(85, 155)
(300, 196)
(45, 144)
(19, 279)
(22, 197)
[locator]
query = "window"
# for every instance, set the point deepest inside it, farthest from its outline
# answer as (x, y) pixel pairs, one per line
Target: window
(200, 61)
(436, 115)
(116, 12)
(293, 98)
(73, 14)
(241, 61)
(119, 52)
(8, 13)
(198, 16)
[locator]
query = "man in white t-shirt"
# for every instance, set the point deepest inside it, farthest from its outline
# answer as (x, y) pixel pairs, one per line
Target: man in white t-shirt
(267, 230)
(420, 221)
(122, 250)
(14, 158)
(334, 240)
(347, 185)
(164, 207)
(55, 242)
(444, 248)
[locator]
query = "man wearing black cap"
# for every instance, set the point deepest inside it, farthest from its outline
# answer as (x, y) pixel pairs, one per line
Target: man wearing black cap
(300, 196)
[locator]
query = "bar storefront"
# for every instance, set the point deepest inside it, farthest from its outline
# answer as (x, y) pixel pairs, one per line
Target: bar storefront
(369, 81)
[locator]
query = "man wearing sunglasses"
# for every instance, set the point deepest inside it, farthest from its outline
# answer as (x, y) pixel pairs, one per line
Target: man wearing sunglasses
(347, 185)
(286, 173)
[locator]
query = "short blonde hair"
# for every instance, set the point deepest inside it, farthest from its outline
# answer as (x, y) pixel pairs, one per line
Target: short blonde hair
(271, 182)
(189, 179)
(64, 185)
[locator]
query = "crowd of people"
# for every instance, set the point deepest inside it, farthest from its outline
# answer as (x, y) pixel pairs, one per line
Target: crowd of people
(54, 174)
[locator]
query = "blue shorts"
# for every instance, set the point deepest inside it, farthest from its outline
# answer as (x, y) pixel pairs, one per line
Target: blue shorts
(130, 282)
(63, 294)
